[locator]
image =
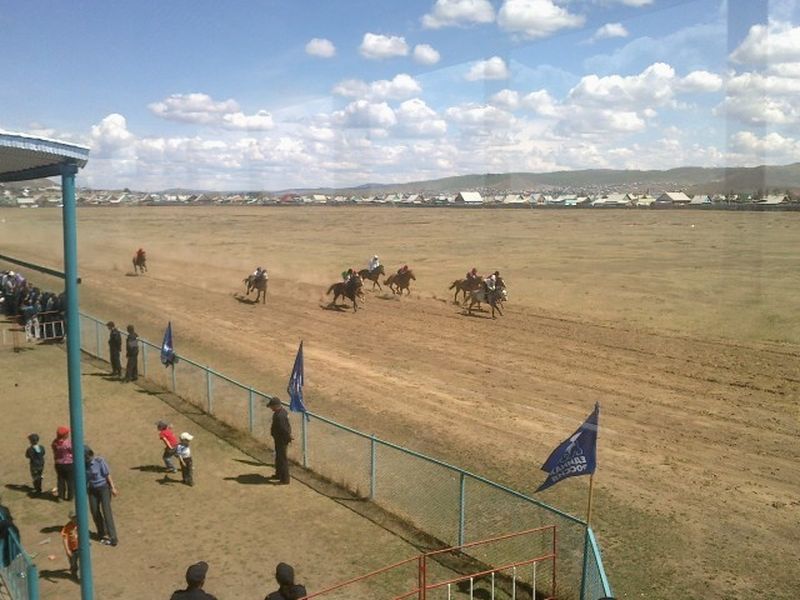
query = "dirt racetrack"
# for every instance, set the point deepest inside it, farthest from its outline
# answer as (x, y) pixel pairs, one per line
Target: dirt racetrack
(682, 324)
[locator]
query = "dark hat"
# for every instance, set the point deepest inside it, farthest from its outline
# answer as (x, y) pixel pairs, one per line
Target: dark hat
(196, 573)
(110, 324)
(273, 402)
(284, 574)
(33, 438)
(161, 425)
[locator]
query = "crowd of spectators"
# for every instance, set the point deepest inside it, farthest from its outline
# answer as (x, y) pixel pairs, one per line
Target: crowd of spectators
(31, 306)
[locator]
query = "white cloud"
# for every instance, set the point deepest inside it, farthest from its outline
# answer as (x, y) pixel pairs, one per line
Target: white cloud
(777, 42)
(416, 118)
(321, 47)
(111, 136)
(610, 30)
(401, 86)
(492, 68)
(759, 98)
(477, 115)
(774, 145)
(654, 85)
(634, 3)
(377, 47)
(366, 115)
(448, 13)
(507, 99)
(534, 19)
(542, 103)
(202, 109)
(700, 81)
(426, 55)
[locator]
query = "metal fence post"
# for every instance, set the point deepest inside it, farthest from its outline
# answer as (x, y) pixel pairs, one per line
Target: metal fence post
(209, 393)
(373, 468)
(97, 337)
(462, 505)
(32, 578)
(251, 409)
(304, 432)
(144, 360)
(174, 383)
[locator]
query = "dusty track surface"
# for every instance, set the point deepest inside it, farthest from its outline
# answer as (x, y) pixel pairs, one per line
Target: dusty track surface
(697, 490)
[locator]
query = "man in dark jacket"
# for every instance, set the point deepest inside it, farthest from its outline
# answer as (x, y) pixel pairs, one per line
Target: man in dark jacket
(281, 432)
(195, 579)
(114, 348)
(287, 589)
(132, 355)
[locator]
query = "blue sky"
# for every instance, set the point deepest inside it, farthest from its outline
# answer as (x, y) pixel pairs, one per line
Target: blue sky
(270, 95)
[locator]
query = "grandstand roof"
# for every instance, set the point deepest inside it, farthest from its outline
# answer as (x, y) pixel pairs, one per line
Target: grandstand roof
(25, 157)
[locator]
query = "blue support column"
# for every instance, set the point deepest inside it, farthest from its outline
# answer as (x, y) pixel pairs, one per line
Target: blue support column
(74, 374)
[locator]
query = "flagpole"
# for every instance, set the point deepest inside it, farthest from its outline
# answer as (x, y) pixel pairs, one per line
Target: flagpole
(591, 496)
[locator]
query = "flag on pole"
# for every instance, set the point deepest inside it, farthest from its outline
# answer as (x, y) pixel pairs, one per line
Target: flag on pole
(295, 387)
(577, 455)
(167, 349)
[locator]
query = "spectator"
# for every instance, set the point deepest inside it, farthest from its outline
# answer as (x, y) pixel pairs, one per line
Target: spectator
(62, 454)
(114, 348)
(195, 579)
(287, 589)
(101, 487)
(167, 437)
(69, 535)
(8, 551)
(184, 453)
(281, 432)
(35, 456)
(132, 355)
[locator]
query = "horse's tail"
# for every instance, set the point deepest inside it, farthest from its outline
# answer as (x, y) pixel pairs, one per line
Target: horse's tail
(454, 284)
(388, 280)
(330, 289)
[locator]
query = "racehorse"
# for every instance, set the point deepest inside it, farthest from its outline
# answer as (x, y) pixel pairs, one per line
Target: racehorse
(465, 286)
(372, 276)
(258, 283)
(494, 297)
(347, 289)
(139, 263)
(398, 282)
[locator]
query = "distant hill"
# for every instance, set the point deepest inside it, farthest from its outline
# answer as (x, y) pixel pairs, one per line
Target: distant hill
(31, 184)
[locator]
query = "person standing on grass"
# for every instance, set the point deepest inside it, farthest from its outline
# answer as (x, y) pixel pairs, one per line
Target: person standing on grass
(62, 454)
(35, 456)
(167, 437)
(114, 348)
(287, 588)
(184, 453)
(132, 355)
(101, 487)
(281, 432)
(195, 580)
(69, 535)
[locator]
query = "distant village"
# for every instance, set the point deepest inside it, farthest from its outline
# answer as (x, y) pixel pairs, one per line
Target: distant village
(51, 197)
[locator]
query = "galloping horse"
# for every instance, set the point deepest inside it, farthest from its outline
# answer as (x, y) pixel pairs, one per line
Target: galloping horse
(398, 282)
(494, 297)
(139, 263)
(372, 276)
(347, 289)
(465, 286)
(257, 283)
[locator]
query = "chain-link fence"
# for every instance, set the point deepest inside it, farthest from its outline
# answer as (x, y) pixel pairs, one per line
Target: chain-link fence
(17, 570)
(449, 503)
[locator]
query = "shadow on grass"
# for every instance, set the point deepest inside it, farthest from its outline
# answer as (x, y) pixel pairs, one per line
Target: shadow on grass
(252, 463)
(30, 492)
(149, 468)
(52, 574)
(335, 307)
(50, 529)
(250, 479)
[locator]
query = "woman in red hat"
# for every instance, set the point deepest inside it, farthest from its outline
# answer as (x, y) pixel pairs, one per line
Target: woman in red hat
(62, 452)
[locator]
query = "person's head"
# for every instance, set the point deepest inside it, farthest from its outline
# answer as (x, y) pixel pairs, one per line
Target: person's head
(130, 329)
(162, 425)
(110, 325)
(196, 575)
(274, 404)
(62, 432)
(73, 518)
(186, 437)
(284, 574)
(88, 454)
(33, 439)
(497, 273)
(474, 271)
(375, 257)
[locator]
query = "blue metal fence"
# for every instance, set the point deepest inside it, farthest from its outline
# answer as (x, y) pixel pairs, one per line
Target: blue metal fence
(450, 503)
(20, 576)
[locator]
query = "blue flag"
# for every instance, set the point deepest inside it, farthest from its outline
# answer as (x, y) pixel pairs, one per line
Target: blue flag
(577, 455)
(167, 349)
(295, 387)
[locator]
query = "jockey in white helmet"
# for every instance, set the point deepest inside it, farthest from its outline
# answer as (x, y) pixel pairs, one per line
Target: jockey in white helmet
(374, 263)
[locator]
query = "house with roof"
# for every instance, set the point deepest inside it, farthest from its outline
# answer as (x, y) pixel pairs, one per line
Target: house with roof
(514, 199)
(468, 199)
(611, 201)
(673, 198)
(700, 200)
(774, 200)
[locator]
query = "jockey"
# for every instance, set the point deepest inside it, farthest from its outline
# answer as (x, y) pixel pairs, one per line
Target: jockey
(374, 263)
(472, 274)
(346, 275)
(490, 282)
(140, 254)
(403, 269)
(260, 273)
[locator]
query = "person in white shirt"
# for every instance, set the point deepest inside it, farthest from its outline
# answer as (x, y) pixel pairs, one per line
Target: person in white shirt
(374, 263)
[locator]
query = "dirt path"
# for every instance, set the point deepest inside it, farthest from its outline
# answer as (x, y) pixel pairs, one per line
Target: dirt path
(699, 461)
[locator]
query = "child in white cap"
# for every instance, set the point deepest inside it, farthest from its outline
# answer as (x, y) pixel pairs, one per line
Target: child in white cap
(184, 453)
